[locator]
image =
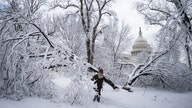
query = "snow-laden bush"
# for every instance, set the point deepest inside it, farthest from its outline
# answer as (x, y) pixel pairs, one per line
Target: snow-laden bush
(80, 88)
(79, 91)
(21, 41)
(31, 52)
(119, 73)
(32, 74)
(24, 76)
(175, 77)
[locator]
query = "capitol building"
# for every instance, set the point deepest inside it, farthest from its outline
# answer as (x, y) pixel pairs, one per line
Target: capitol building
(139, 45)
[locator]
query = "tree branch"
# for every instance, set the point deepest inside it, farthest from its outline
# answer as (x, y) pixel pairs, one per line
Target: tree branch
(158, 10)
(65, 7)
(31, 83)
(45, 36)
(106, 13)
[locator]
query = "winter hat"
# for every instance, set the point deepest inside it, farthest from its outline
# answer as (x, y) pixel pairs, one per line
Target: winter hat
(100, 70)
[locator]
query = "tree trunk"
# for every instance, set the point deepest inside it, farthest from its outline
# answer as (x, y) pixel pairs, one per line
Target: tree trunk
(188, 56)
(88, 51)
(187, 24)
(91, 49)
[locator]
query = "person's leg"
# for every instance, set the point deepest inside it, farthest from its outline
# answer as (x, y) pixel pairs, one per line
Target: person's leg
(99, 94)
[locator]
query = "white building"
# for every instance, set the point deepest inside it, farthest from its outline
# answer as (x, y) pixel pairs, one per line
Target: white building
(139, 45)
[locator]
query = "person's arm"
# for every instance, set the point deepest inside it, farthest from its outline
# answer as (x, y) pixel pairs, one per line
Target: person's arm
(94, 78)
(110, 83)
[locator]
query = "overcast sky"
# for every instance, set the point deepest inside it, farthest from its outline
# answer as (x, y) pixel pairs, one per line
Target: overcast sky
(127, 12)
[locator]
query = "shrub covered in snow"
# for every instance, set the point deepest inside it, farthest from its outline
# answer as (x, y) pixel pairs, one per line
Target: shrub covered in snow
(30, 53)
(175, 77)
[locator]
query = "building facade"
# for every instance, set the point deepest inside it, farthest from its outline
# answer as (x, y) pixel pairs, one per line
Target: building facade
(139, 45)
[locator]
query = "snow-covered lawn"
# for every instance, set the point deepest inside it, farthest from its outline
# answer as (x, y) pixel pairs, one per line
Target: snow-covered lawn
(140, 98)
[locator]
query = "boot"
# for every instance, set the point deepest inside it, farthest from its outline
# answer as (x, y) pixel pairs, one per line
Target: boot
(95, 98)
(98, 99)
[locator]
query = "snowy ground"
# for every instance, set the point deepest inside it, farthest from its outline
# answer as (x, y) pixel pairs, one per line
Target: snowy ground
(140, 98)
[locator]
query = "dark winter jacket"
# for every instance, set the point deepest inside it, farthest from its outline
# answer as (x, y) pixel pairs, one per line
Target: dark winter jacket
(99, 81)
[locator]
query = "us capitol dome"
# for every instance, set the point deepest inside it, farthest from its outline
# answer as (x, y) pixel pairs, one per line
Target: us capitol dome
(139, 45)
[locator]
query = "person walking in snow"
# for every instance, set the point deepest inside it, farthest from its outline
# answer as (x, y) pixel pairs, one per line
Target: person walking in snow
(99, 78)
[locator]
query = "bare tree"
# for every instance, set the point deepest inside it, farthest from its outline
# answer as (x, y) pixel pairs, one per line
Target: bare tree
(116, 39)
(173, 16)
(91, 13)
(68, 30)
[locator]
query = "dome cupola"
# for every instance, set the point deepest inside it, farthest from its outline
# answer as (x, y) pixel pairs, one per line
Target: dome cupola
(140, 44)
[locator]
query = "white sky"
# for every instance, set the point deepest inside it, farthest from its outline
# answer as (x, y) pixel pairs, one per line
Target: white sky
(127, 12)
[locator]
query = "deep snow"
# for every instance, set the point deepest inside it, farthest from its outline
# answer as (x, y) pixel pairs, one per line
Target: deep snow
(140, 98)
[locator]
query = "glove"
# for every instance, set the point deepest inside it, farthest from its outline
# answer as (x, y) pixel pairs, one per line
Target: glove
(115, 87)
(92, 79)
(95, 82)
